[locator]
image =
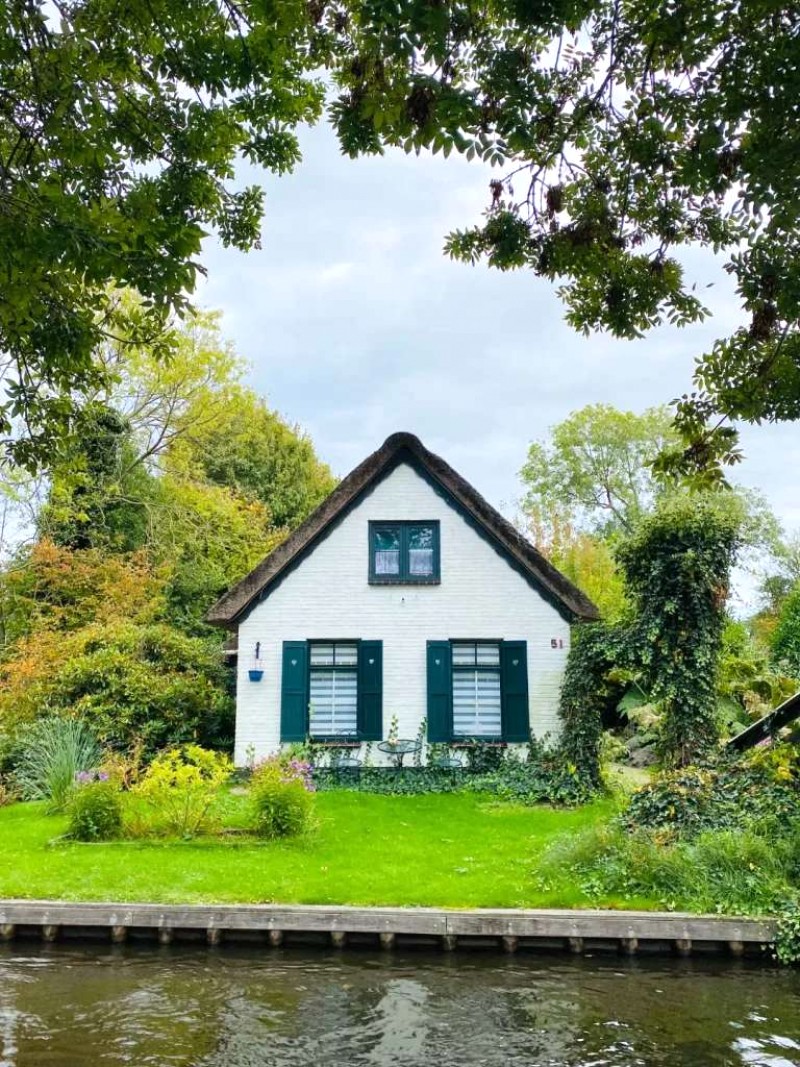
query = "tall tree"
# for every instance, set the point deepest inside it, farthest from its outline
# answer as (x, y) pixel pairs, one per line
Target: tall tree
(593, 482)
(98, 493)
(250, 448)
(597, 466)
(625, 132)
(179, 459)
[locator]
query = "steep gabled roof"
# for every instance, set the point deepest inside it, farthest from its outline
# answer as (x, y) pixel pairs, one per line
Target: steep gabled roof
(405, 448)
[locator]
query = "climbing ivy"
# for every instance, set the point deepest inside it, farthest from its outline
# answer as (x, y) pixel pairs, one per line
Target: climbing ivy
(677, 565)
(599, 651)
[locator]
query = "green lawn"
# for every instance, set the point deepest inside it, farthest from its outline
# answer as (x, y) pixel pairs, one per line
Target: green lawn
(446, 850)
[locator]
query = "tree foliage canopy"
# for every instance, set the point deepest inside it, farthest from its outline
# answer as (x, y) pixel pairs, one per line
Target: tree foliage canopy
(249, 448)
(625, 132)
(598, 466)
(179, 460)
(119, 128)
(102, 616)
(786, 638)
(587, 559)
(676, 565)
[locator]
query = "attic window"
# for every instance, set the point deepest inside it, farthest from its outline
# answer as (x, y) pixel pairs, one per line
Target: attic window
(404, 553)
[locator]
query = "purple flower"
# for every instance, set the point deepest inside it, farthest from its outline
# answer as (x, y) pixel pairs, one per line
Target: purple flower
(87, 777)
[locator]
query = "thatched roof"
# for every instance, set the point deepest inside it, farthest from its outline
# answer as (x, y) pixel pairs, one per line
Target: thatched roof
(405, 448)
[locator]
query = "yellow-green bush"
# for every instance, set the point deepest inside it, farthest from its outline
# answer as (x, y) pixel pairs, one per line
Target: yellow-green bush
(180, 787)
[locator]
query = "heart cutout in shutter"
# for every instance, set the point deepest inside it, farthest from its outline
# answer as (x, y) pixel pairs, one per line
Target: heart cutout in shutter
(515, 662)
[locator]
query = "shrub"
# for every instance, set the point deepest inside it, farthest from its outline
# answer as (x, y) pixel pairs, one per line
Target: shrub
(130, 682)
(180, 787)
(736, 872)
(280, 794)
(612, 749)
(49, 757)
(546, 777)
(95, 811)
(486, 758)
(787, 935)
(728, 795)
(551, 780)
(677, 564)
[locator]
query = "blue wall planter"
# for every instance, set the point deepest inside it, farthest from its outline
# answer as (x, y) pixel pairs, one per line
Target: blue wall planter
(255, 676)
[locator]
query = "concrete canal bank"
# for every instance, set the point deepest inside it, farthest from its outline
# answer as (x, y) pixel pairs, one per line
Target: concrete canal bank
(274, 924)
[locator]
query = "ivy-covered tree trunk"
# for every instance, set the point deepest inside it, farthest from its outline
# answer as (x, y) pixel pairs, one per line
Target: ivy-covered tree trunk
(677, 567)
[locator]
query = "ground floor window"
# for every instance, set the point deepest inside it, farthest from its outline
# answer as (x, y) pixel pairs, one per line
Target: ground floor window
(477, 689)
(333, 688)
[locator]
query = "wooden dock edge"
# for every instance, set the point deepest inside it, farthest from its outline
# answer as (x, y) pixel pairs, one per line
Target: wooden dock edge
(576, 931)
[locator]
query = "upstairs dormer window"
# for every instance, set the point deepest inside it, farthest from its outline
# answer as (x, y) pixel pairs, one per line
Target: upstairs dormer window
(404, 553)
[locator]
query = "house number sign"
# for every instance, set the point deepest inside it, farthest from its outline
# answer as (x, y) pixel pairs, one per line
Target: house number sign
(556, 642)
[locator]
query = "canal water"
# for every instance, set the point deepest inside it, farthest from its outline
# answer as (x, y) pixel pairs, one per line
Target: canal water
(69, 1006)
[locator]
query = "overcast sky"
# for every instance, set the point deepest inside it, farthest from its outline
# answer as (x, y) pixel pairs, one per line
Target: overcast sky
(356, 325)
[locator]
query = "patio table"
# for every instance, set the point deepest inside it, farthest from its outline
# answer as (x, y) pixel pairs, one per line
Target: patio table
(398, 749)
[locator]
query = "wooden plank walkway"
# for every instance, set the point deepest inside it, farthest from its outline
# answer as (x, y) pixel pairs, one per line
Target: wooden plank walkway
(576, 931)
(767, 726)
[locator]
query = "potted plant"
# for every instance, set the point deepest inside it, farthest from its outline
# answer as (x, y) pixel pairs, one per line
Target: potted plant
(256, 671)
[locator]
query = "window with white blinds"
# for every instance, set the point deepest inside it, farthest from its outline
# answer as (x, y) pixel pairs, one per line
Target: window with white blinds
(333, 688)
(477, 705)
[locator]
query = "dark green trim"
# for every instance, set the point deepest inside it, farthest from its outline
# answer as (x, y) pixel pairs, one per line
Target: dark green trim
(513, 671)
(514, 691)
(294, 691)
(403, 527)
(370, 690)
(440, 692)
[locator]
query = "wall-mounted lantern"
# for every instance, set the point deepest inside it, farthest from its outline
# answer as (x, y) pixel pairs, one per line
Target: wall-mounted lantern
(256, 672)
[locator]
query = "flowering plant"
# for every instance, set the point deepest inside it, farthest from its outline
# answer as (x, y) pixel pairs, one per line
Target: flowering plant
(85, 777)
(297, 770)
(286, 770)
(280, 797)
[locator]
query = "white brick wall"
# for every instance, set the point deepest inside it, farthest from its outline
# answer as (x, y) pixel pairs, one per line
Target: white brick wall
(328, 596)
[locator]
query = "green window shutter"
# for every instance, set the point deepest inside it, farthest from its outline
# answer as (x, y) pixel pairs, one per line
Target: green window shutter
(440, 692)
(294, 691)
(370, 690)
(514, 683)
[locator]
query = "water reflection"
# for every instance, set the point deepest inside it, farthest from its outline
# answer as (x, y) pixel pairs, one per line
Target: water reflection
(70, 1007)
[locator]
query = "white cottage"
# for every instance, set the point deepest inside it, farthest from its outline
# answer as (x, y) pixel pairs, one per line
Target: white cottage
(404, 596)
